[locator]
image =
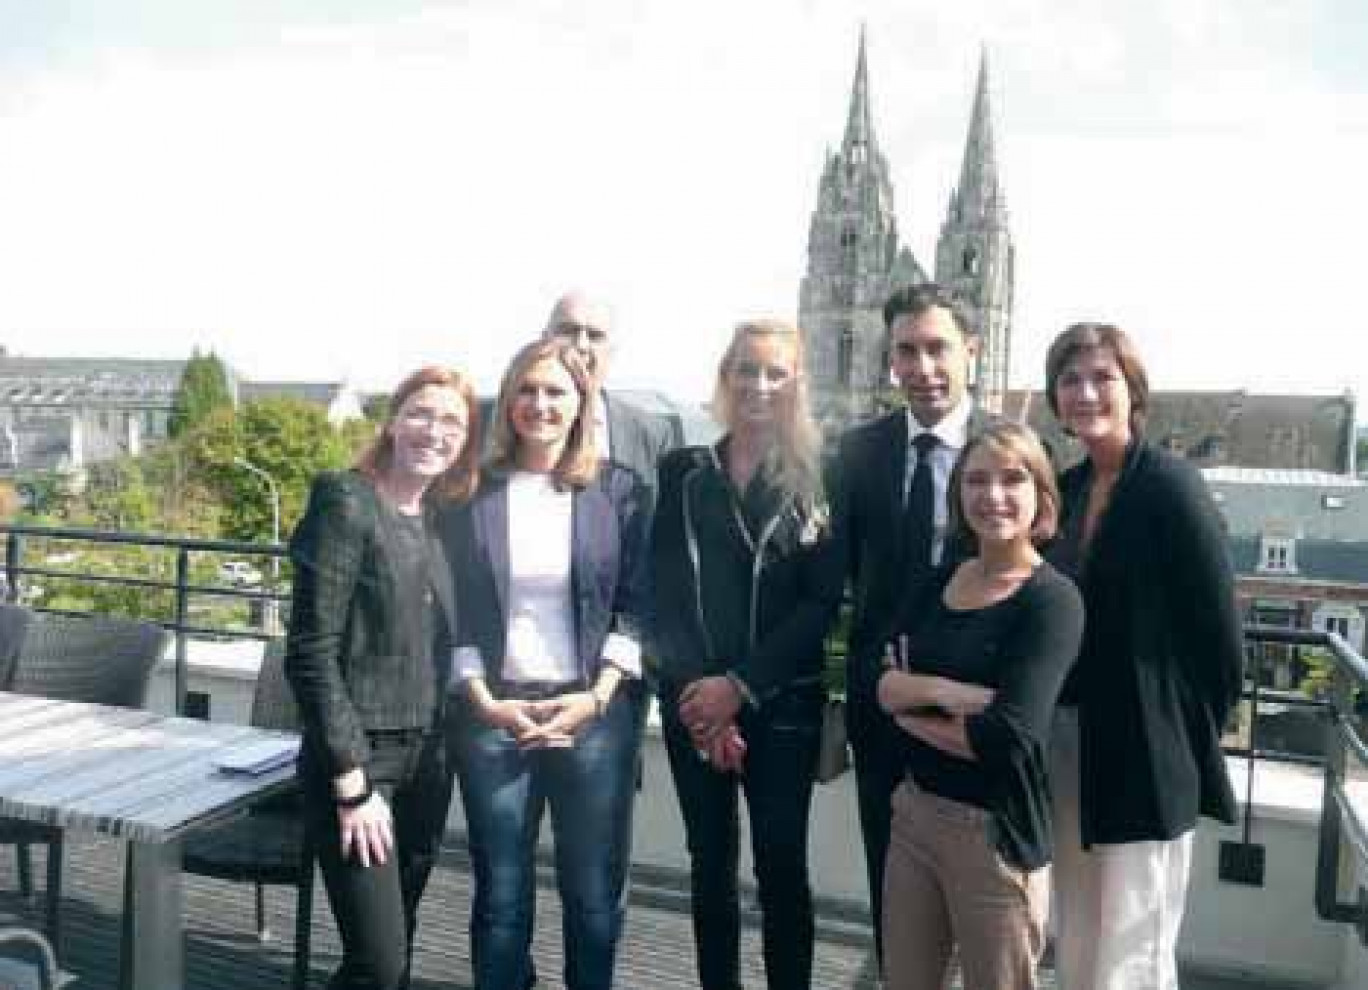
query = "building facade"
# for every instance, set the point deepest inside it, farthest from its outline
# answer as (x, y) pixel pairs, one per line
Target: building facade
(856, 259)
(1299, 543)
(64, 414)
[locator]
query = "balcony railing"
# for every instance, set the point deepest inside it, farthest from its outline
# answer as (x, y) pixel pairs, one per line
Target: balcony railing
(1342, 710)
(168, 583)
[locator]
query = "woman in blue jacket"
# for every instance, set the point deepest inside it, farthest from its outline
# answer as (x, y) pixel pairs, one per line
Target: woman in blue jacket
(547, 560)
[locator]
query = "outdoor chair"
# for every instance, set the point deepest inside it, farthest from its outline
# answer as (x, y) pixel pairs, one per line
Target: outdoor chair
(27, 962)
(14, 623)
(266, 845)
(100, 659)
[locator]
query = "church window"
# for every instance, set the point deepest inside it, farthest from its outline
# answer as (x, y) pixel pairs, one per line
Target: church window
(970, 261)
(847, 237)
(845, 355)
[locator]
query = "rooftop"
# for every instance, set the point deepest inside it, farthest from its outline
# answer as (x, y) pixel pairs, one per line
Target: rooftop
(222, 952)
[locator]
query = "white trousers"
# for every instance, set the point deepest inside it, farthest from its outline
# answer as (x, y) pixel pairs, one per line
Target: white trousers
(1117, 908)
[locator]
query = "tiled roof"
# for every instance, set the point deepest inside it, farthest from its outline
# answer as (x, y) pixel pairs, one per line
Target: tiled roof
(1231, 427)
(1307, 505)
(319, 393)
(123, 382)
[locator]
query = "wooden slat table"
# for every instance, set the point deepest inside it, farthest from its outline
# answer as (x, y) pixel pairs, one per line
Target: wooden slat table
(147, 778)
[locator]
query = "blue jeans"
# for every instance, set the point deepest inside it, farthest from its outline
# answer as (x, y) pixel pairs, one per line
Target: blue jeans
(590, 789)
(782, 741)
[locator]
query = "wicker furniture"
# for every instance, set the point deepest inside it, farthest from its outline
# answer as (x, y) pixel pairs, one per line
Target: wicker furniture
(152, 780)
(267, 845)
(100, 659)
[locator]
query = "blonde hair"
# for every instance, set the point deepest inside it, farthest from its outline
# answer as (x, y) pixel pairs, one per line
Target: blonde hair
(579, 461)
(458, 481)
(798, 451)
(1014, 440)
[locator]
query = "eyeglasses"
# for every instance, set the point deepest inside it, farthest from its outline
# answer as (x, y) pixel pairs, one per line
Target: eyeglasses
(426, 419)
(570, 330)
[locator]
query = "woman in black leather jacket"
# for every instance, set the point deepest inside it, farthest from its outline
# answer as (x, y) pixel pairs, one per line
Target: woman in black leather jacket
(747, 582)
(371, 623)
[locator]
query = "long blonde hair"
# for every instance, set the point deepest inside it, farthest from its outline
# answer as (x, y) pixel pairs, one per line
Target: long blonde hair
(798, 451)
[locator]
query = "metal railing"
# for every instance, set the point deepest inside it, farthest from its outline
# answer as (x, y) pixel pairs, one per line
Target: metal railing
(1343, 716)
(21, 578)
(1341, 711)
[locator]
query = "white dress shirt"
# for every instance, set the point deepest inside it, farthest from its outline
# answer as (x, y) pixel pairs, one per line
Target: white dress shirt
(953, 434)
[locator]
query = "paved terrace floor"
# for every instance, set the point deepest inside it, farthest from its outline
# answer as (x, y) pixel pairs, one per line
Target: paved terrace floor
(222, 951)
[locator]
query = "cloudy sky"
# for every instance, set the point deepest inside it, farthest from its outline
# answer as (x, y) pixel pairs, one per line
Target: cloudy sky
(326, 188)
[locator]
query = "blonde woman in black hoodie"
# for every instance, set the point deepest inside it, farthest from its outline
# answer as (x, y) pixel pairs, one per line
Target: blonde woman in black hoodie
(747, 582)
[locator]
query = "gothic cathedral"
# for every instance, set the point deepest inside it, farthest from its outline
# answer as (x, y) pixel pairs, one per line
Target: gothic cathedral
(855, 261)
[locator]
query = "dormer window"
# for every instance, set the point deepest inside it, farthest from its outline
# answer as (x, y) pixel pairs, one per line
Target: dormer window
(1277, 555)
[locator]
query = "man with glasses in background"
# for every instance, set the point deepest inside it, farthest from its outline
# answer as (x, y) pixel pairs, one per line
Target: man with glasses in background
(625, 434)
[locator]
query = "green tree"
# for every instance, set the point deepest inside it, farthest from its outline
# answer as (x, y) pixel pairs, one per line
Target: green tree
(203, 388)
(116, 496)
(291, 440)
(376, 407)
(46, 496)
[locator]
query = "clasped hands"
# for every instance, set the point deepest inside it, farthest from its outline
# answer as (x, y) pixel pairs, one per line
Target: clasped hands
(547, 723)
(708, 708)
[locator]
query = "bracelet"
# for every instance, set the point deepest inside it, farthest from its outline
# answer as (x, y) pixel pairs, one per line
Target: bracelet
(356, 800)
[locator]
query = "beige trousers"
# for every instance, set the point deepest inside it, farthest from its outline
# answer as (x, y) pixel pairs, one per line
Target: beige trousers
(946, 887)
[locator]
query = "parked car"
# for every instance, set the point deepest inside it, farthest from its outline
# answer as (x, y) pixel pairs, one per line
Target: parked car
(239, 573)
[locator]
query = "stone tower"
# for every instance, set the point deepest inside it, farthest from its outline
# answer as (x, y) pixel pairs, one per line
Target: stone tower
(854, 261)
(974, 256)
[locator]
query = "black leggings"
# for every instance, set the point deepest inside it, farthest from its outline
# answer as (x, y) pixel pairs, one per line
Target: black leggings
(376, 907)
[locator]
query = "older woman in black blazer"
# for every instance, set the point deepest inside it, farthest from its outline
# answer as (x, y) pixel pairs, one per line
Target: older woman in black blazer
(747, 582)
(548, 560)
(1137, 747)
(365, 656)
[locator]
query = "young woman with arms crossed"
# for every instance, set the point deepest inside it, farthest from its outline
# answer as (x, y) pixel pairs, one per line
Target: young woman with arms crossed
(1136, 753)
(548, 562)
(372, 604)
(747, 582)
(973, 682)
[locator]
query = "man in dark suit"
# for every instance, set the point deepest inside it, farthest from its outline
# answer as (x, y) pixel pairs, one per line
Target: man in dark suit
(628, 436)
(891, 518)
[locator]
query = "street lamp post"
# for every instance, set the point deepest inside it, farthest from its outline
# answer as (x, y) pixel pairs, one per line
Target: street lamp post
(272, 616)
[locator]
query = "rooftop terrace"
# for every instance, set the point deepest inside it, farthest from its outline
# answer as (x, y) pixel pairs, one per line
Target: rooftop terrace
(222, 951)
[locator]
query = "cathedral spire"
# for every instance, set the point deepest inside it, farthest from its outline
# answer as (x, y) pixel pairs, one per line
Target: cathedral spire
(859, 126)
(975, 256)
(979, 194)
